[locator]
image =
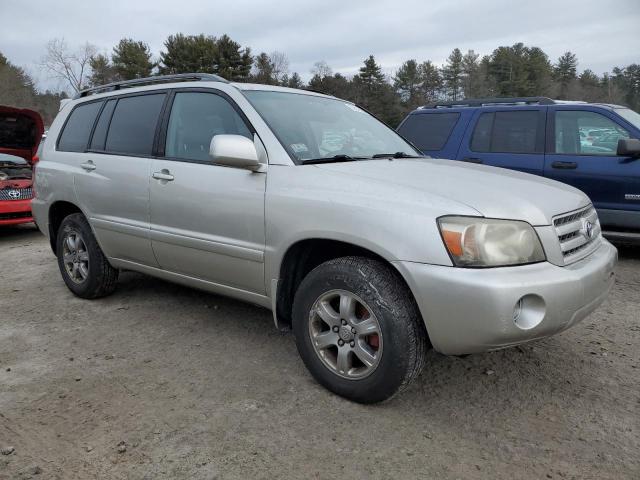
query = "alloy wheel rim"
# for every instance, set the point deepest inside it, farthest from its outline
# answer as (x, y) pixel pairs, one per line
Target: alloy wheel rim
(345, 334)
(75, 257)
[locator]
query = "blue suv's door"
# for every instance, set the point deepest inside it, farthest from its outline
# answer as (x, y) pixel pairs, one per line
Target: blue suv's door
(509, 137)
(581, 151)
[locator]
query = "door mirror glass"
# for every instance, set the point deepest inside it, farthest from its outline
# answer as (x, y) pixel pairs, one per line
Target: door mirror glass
(629, 147)
(234, 151)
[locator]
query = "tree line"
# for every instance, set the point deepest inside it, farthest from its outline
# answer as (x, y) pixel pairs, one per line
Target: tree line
(508, 71)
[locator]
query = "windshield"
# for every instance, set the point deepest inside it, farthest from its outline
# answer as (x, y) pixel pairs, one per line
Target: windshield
(312, 127)
(630, 116)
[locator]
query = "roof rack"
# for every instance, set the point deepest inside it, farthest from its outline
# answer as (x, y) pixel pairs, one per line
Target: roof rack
(136, 82)
(480, 102)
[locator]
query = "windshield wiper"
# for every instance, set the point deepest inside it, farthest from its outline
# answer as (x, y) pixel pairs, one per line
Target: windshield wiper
(395, 155)
(334, 159)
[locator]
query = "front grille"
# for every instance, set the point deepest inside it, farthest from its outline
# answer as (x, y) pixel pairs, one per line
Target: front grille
(16, 193)
(14, 216)
(578, 233)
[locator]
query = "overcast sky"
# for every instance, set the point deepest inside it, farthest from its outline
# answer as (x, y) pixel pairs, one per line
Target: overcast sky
(603, 33)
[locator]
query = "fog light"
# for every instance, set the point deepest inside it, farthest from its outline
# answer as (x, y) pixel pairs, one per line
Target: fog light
(529, 311)
(517, 310)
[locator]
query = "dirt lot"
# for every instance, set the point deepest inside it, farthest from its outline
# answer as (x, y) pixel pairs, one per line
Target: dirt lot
(199, 387)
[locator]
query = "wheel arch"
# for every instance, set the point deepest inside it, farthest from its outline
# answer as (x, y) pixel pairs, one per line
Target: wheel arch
(303, 256)
(58, 211)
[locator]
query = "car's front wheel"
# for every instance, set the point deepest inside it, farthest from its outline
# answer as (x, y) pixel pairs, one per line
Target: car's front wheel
(358, 329)
(84, 268)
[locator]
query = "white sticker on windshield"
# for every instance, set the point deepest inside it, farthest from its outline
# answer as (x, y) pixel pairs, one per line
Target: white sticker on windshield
(299, 147)
(354, 108)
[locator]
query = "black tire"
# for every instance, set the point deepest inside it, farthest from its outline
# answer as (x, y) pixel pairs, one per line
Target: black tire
(102, 277)
(404, 337)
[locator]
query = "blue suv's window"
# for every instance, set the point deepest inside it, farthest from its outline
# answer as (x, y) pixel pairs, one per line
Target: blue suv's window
(586, 133)
(429, 131)
(506, 132)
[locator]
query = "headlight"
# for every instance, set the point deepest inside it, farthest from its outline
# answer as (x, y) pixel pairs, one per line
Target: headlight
(485, 242)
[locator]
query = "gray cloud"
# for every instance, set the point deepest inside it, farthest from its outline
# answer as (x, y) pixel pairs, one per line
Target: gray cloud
(603, 34)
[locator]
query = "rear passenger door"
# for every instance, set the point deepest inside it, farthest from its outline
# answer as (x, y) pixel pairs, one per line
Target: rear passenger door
(506, 137)
(207, 221)
(112, 182)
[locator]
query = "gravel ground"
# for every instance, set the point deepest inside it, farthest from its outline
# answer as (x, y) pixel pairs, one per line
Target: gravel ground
(159, 381)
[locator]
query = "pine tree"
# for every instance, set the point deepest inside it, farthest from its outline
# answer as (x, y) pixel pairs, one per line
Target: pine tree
(102, 72)
(453, 75)
(263, 70)
(407, 82)
(295, 81)
(472, 82)
(565, 72)
(431, 85)
(186, 54)
(131, 59)
(231, 61)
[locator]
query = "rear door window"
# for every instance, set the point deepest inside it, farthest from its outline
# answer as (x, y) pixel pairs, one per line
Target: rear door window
(133, 124)
(76, 131)
(508, 132)
(429, 131)
(100, 132)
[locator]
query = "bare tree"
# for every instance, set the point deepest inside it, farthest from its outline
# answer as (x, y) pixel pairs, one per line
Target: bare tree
(70, 66)
(280, 64)
(321, 69)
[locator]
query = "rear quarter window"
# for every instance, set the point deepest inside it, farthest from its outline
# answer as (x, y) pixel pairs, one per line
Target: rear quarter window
(429, 131)
(76, 131)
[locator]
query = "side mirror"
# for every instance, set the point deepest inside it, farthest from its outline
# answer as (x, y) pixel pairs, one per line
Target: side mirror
(234, 151)
(629, 147)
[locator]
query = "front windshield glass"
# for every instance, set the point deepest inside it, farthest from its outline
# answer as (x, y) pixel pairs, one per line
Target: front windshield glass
(630, 116)
(312, 127)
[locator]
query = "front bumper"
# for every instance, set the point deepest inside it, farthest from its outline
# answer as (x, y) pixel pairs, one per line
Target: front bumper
(474, 310)
(15, 212)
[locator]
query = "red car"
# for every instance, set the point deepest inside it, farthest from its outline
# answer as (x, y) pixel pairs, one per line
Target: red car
(20, 134)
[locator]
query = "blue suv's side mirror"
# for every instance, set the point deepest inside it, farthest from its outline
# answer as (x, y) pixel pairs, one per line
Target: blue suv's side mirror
(629, 147)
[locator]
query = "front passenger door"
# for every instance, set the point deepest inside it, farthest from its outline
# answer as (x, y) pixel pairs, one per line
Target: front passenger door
(207, 221)
(578, 157)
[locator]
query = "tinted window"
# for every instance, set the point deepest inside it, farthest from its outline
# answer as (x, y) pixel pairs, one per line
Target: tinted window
(195, 119)
(481, 139)
(100, 132)
(429, 131)
(587, 133)
(506, 132)
(133, 124)
(75, 136)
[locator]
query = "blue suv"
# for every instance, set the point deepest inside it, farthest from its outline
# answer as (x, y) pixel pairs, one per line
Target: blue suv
(591, 146)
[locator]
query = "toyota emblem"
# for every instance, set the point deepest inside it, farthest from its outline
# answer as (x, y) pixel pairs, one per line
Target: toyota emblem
(588, 229)
(14, 194)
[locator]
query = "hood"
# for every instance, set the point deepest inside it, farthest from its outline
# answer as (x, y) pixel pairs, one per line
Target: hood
(20, 132)
(493, 192)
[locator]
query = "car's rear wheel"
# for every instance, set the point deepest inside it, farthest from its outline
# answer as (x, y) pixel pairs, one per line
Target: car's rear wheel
(358, 329)
(84, 268)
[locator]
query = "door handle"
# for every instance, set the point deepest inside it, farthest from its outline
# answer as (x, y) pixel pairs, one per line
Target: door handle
(472, 160)
(565, 165)
(88, 166)
(163, 175)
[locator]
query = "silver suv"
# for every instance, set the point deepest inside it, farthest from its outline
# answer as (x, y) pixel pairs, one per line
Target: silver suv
(307, 205)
